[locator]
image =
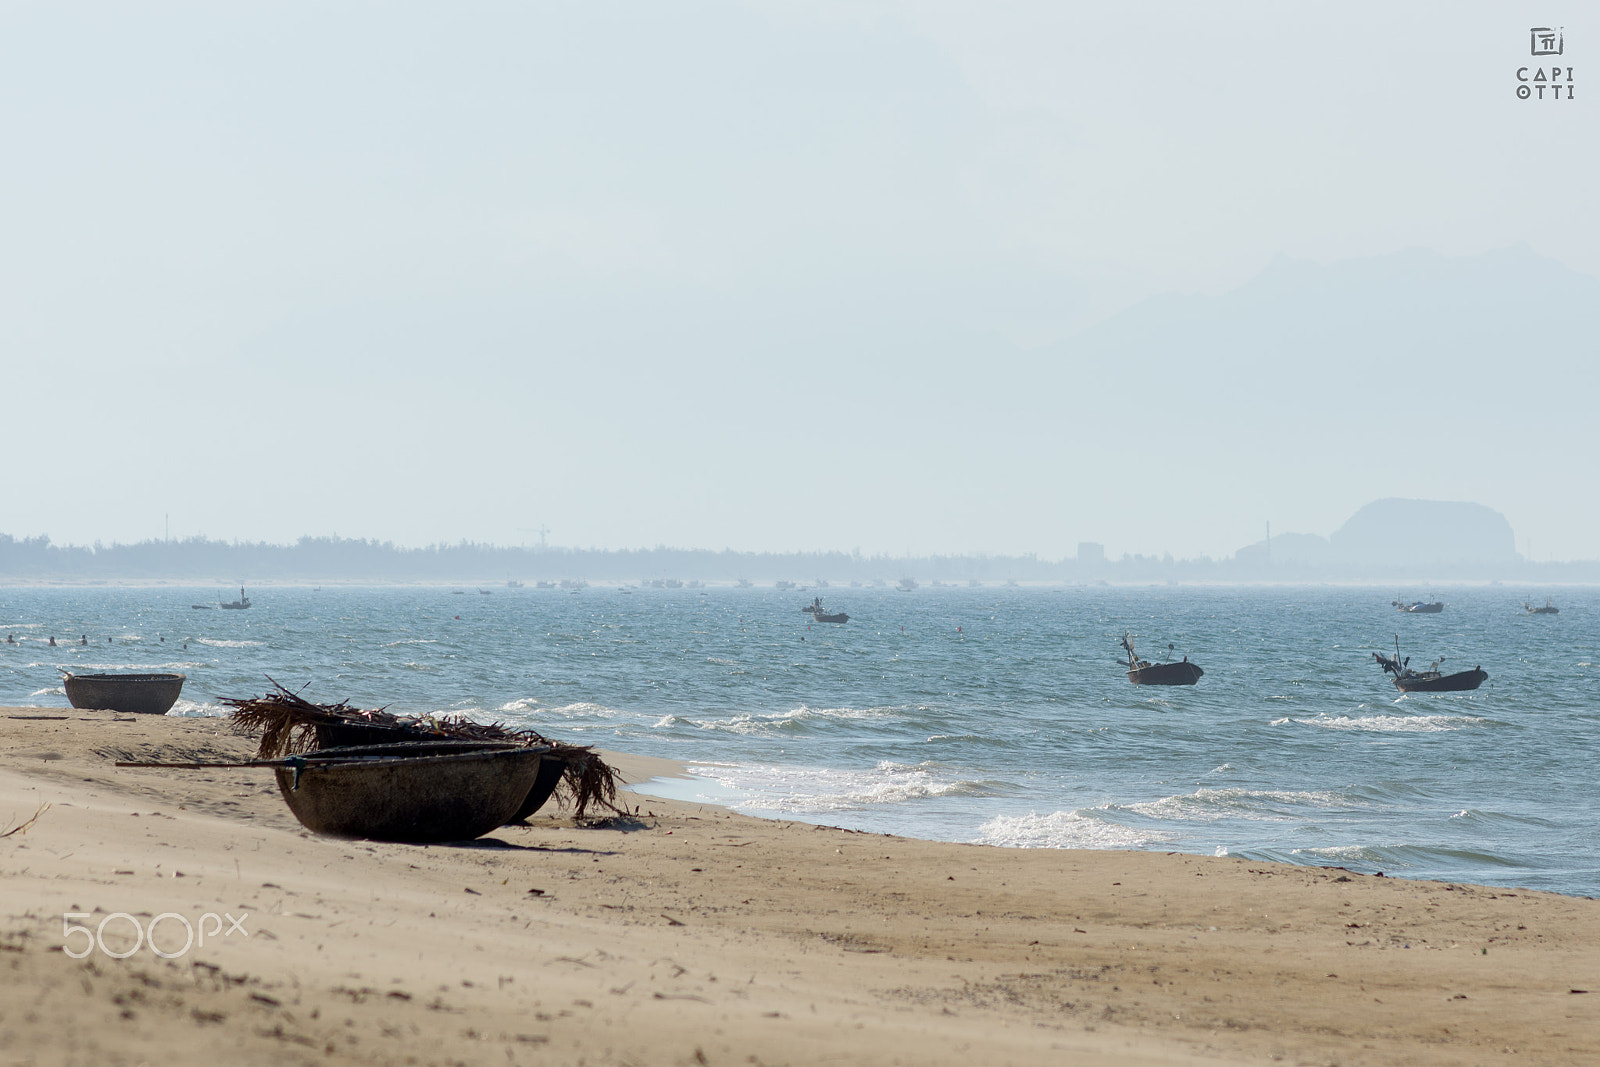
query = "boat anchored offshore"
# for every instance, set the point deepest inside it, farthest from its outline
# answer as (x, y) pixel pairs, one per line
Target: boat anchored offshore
(1143, 672)
(1419, 607)
(237, 605)
(1548, 609)
(820, 614)
(1431, 680)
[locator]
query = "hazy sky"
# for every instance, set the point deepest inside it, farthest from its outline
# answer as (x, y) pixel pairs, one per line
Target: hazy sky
(750, 275)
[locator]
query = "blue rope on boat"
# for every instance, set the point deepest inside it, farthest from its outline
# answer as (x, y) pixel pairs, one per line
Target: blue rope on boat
(299, 764)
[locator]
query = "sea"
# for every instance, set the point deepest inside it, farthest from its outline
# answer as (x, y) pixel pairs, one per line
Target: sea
(996, 715)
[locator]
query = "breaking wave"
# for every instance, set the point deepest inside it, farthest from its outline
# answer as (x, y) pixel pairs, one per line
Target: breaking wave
(1392, 724)
(1065, 829)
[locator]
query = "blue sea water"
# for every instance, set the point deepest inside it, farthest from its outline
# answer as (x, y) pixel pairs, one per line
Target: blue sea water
(994, 714)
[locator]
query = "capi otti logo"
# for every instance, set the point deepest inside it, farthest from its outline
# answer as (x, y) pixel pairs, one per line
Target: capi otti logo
(1540, 82)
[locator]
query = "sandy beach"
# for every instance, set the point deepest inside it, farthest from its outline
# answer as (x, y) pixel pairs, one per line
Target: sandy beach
(685, 934)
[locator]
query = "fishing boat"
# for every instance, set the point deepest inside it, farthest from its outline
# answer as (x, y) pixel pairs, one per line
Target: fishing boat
(820, 614)
(135, 694)
(1548, 609)
(349, 736)
(1419, 607)
(288, 723)
(783, 585)
(237, 605)
(743, 583)
(414, 792)
(1431, 680)
(1143, 672)
(907, 585)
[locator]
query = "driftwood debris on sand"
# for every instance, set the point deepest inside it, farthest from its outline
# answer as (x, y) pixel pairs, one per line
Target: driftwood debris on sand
(289, 724)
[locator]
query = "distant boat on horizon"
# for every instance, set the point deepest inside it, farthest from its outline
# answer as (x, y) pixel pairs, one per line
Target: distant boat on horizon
(1419, 607)
(907, 585)
(1548, 609)
(237, 605)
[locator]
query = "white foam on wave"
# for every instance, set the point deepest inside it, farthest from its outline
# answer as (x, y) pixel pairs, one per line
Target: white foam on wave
(218, 643)
(521, 704)
(748, 724)
(1392, 724)
(1211, 805)
(583, 709)
(1359, 854)
(1064, 829)
(814, 790)
(412, 641)
(80, 668)
(53, 691)
(189, 709)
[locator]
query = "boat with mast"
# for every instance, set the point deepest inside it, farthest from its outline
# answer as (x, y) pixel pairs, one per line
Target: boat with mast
(820, 614)
(1548, 609)
(1143, 672)
(237, 605)
(1432, 680)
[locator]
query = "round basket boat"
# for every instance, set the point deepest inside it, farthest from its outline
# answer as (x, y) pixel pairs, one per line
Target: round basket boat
(138, 694)
(415, 791)
(334, 734)
(543, 788)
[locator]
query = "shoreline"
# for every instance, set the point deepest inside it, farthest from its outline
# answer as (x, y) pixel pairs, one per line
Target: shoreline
(639, 770)
(687, 933)
(673, 774)
(498, 586)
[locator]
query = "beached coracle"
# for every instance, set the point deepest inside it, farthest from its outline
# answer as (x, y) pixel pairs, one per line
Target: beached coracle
(137, 694)
(414, 792)
(290, 724)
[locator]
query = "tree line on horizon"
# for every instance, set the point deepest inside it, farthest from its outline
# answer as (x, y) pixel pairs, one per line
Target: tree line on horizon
(359, 559)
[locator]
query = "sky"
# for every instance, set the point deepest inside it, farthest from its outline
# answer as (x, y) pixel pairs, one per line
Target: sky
(786, 275)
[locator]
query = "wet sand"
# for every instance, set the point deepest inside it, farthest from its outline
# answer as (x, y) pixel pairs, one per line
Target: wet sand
(686, 934)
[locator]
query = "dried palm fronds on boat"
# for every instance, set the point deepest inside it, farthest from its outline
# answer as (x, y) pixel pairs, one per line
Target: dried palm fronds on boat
(289, 724)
